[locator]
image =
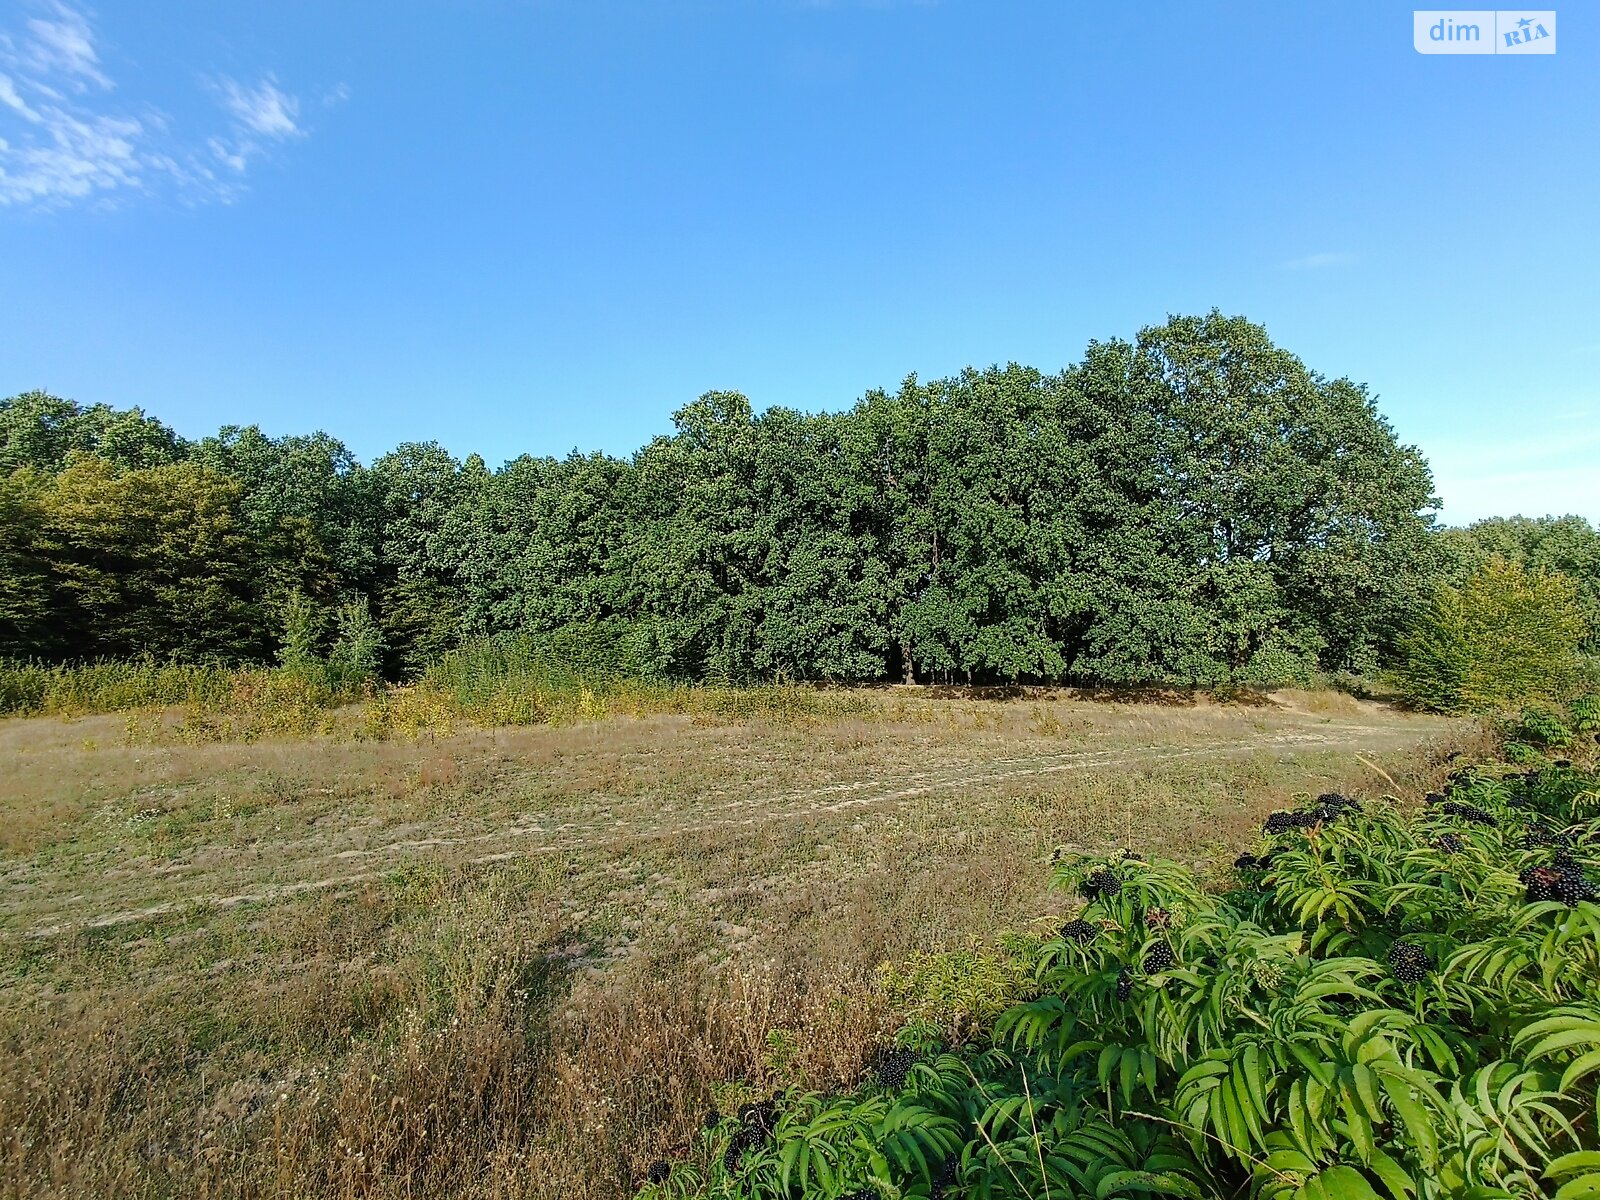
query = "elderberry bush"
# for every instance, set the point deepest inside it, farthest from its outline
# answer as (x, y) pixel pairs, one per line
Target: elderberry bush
(1389, 1001)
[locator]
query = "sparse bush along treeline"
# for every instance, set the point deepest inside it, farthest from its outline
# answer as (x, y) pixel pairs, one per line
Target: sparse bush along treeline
(1194, 507)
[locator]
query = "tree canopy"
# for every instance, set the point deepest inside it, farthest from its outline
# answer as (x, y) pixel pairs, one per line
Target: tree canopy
(1195, 506)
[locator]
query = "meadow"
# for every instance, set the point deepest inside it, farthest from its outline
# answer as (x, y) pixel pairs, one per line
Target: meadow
(443, 955)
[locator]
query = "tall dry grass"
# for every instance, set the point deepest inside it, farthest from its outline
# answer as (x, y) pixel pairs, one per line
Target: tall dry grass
(457, 1053)
(495, 682)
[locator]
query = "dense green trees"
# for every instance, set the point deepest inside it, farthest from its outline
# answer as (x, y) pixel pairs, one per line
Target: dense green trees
(1194, 507)
(1568, 545)
(1505, 636)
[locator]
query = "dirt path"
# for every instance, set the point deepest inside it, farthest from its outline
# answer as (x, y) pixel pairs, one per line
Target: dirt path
(227, 877)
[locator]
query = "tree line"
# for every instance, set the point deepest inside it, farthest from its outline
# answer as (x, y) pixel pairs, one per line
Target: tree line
(1194, 506)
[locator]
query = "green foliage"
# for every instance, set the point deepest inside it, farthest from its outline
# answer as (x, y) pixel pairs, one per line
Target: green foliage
(1586, 714)
(955, 994)
(1387, 1004)
(1544, 726)
(153, 560)
(1506, 636)
(26, 589)
(1194, 507)
(1566, 545)
(302, 633)
(45, 432)
(111, 686)
(357, 653)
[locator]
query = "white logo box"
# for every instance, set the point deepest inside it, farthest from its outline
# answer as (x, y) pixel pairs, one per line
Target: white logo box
(1484, 31)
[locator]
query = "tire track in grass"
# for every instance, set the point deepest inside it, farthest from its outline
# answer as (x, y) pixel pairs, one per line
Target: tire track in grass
(801, 804)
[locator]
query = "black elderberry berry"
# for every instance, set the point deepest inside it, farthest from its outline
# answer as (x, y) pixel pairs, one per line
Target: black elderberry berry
(737, 1145)
(946, 1177)
(893, 1067)
(658, 1173)
(758, 1120)
(1571, 885)
(1468, 813)
(1124, 984)
(1540, 882)
(1541, 834)
(1282, 822)
(1409, 962)
(1450, 843)
(1159, 958)
(1100, 885)
(1079, 930)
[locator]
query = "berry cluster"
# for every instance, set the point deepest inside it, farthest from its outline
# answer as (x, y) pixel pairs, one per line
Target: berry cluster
(1080, 931)
(1562, 881)
(1124, 984)
(1159, 958)
(1330, 806)
(1409, 962)
(1252, 862)
(1539, 834)
(1283, 821)
(946, 1177)
(893, 1067)
(1157, 918)
(1469, 813)
(756, 1122)
(1450, 843)
(658, 1173)
(1101, 885)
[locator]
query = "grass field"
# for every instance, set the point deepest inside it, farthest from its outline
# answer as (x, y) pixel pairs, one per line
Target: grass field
(519, 962)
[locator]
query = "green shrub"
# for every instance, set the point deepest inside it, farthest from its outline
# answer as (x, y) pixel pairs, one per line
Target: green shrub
(356, 657)
(1544, 727)
(1505, 637)
(1586, 714)
(76, 689)
(1387, 1004)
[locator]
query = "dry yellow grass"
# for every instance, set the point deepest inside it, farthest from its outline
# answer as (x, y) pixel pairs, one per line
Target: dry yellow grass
(520, 963)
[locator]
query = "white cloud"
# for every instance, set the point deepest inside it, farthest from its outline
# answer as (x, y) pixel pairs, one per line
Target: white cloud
(61, 143)
(262, 115)
(63, 44)
(1312, 262)
(263, 109)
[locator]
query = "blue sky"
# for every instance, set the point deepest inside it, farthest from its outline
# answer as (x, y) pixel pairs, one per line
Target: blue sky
(533, 225)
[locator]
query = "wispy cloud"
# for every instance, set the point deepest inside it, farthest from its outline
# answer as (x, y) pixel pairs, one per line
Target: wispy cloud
(263, 109)
(61, 44)
(64, 139)
(1312, 262)
(262, 115)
